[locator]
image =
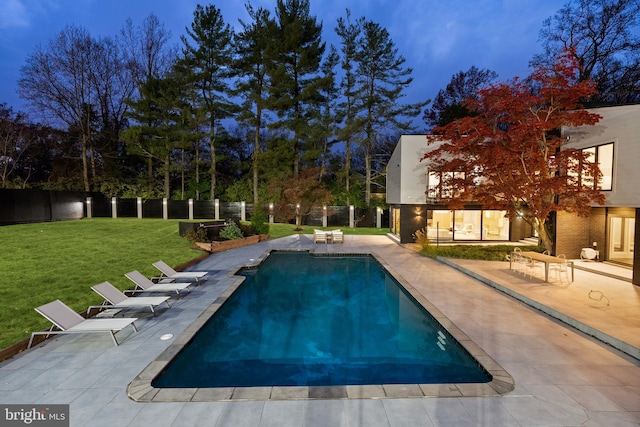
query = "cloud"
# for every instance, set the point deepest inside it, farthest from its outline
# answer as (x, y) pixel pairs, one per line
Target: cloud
(13, 14)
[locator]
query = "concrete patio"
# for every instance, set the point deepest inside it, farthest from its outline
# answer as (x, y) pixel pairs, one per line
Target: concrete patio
(563, 377)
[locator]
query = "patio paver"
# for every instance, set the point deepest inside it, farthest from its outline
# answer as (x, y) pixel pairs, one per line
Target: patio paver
(562, 377)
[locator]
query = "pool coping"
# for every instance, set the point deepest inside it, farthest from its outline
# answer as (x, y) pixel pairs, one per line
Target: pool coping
(141, 390)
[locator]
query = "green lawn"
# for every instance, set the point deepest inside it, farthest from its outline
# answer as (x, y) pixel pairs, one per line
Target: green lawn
(62, 260)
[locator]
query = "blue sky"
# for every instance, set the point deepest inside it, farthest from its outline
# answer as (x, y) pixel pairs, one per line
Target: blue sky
(437, 38)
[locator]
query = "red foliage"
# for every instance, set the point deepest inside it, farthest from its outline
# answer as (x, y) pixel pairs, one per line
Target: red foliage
(510, 152)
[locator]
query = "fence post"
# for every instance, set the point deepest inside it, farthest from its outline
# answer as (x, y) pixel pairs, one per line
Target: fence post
(243, 211)
(270, 213)
(114, 208)
(324, 216)
(191, 209)
(89, 207)
(139, 207)
(165, 209)
(352, 216)
(378, 217)
(216, 206)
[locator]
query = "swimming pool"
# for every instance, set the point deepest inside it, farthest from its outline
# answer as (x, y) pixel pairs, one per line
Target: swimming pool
(307, 320)
(143, 389)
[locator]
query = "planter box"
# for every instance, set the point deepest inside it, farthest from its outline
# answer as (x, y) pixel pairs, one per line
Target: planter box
(231, 244)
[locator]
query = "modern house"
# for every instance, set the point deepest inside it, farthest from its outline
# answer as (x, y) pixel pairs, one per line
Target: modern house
(414, 204)
(612, 230)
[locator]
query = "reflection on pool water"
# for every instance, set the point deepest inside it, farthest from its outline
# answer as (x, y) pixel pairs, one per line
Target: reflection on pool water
(309, 320)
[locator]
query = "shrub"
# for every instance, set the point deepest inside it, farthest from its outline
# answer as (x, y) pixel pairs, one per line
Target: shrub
(196, 235)
(260, 223)
(246, 229)
(231, 232)
(480, 252)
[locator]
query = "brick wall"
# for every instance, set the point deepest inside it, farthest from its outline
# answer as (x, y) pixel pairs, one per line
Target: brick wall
(572, 234)
(598, 230)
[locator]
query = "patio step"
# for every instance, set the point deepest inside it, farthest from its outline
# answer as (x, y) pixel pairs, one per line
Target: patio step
(529, 241)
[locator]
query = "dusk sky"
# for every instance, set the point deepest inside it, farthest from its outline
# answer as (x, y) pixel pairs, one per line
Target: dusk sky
(437, 38)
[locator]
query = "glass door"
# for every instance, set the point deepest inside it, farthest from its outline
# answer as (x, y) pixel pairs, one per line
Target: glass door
(621, 231)
(395, 221)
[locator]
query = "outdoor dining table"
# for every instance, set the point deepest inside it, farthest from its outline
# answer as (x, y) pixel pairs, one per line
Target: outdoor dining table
(546, 259)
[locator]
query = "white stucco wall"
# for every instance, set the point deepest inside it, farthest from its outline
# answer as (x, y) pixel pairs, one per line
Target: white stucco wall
(406, 174)
(620, 125)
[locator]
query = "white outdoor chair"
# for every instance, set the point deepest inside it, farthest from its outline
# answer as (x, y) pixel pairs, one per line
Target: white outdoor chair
(169, 274)
(319, 236)
(561, 267)
(145, 285)
(530, 266)
(114, 299)
(69, 322)
(337, 236)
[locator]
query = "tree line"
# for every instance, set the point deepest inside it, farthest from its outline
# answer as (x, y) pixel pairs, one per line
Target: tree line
(242, 115)
(268, 113)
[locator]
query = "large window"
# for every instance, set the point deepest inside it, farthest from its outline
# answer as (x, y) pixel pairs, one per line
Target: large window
(495, 225)
(434, 191)
(439, 225)
(445, 225)
(467, 225)
(603, 155)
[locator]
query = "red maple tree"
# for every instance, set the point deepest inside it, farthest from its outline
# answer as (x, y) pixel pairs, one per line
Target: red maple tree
(509, 154)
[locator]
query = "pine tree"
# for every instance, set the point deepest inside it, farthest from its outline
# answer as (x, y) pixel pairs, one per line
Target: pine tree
(348, 109)
(209, 61)
(158, 130)
(294, 71)
(330, 92)
(381, 80)
(252, 44)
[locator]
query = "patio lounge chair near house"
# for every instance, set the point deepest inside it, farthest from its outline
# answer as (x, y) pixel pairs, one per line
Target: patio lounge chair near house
(169, 273)
(145, 285)
(114, 298)
(337, 236)
(70, 322)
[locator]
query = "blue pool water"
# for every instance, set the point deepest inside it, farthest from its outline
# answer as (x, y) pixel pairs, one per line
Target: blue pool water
(307, 320)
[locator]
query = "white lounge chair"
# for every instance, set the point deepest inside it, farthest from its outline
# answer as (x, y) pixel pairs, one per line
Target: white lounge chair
(70, 322)
(337, 236)
(145, 285)
(319, 236)
(169, 273)
(114, 298)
